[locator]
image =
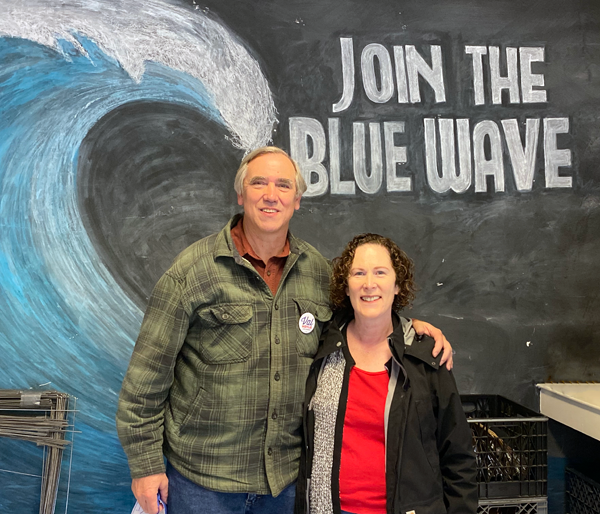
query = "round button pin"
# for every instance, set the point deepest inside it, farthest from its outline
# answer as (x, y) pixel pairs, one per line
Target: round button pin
(306, 323)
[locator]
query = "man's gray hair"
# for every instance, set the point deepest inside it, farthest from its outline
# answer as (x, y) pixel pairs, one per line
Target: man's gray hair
(238, 184)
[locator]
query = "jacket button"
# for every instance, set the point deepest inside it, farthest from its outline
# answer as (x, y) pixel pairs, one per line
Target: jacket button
(338, 344)
(276, 307)
(277, 376)
(225, 316)
(274, 415)
(270, 451)
(277, 341)
(433, 363)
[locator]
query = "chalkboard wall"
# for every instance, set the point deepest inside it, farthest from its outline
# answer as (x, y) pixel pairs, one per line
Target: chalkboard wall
(467, 131)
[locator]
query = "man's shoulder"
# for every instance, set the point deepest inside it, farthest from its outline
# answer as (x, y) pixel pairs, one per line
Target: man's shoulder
(200, 252)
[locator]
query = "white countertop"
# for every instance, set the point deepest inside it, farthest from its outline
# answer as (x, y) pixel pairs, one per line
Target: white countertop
(574, 405)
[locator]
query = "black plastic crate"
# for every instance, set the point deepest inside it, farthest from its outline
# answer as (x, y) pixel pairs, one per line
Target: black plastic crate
(511, 445)
(582, 493)
(513, 506)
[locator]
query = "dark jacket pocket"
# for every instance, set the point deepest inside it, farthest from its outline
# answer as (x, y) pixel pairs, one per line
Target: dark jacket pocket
(427, 427)
(192, 409)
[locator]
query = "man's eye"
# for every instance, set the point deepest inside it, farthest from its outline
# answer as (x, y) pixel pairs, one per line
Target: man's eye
(285, 186)
(258, 183)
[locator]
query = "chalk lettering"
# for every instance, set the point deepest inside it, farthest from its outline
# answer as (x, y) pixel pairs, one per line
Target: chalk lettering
(308, 148)
(347, 75)
(395, 155)
(528, 55)
(401, 83)
(338, 186)
(483, 166)
(450, 178)
(378, 73)
(369, 184)
(478, 87)
(486, 134)
(307, 133)
(499, 82)
(554, 157)
(519, 80)
(522, 158)
(433, 75)
(370, 54)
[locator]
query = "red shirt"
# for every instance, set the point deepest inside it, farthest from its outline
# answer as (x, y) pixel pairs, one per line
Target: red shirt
(272, 271)
(362, 466)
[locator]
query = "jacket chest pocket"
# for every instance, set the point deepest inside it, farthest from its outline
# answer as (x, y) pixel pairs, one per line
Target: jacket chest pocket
(227, 333)
(311, 316)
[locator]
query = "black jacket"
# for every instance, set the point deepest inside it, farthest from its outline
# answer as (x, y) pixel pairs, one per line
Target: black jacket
(430, 464)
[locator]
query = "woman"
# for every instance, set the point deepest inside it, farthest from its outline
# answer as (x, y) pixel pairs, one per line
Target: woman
(384, 427)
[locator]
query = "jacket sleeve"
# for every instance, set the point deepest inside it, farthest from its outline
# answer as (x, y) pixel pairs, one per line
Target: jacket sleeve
(454, 441)
(146, 385)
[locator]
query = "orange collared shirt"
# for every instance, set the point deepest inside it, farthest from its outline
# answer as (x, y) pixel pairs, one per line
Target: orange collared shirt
(272, 271)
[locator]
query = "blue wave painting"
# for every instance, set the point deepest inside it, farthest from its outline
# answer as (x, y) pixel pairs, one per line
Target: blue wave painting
(85, 204)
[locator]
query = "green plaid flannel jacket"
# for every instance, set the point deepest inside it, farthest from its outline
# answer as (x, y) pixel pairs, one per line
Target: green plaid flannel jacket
(217, 376)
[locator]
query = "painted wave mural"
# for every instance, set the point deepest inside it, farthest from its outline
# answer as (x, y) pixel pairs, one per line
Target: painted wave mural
(84, 202)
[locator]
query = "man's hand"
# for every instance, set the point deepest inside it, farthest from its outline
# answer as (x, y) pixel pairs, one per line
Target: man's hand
(441, 343)
(145, 490)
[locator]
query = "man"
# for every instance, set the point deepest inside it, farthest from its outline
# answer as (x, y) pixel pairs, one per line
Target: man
(217, 376)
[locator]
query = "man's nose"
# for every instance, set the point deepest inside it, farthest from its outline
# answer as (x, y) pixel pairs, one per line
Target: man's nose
(270, 192)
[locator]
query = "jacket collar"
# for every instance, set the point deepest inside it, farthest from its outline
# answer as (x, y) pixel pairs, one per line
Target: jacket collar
(401, 339)
(224, 246)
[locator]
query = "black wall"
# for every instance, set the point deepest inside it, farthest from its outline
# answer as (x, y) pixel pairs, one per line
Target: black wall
(509, 273)
(512, 277)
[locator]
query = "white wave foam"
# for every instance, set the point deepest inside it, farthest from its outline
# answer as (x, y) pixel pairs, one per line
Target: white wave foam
(184, 39)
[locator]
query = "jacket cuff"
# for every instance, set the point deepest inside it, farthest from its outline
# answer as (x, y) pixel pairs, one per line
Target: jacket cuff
(146, 465)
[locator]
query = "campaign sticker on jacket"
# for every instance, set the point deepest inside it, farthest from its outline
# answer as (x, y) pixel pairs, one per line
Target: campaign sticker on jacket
(306, 323)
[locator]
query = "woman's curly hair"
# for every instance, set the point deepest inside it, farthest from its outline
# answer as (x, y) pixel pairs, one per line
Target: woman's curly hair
(403, 267)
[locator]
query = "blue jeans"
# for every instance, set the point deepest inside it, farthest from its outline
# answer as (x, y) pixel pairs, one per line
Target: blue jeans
(186, 497)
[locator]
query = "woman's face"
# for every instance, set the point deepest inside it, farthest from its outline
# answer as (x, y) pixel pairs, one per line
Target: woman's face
(372, 282)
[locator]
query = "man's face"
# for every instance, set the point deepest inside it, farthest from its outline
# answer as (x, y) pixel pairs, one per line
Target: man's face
(269, 194)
